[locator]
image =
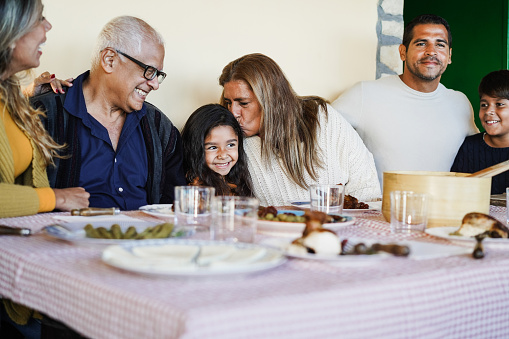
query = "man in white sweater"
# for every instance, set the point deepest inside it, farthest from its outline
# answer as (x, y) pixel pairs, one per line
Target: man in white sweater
(411, 121)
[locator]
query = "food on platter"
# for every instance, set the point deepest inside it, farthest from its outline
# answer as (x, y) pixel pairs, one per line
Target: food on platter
(270, 213)
(351, 203)
(160, 231)
(317, 240)
(478, 223)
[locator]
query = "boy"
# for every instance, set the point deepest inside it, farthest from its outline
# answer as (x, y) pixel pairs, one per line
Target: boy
(491, 147)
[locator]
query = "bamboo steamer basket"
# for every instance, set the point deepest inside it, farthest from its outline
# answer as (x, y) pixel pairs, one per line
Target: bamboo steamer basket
(451, 195)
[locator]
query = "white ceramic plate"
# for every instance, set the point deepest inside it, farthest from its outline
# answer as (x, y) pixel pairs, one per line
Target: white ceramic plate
(175, 257)
(373, 205)
(295, 229)
(74, 232)
(445, 232)
(283, 244)
(418, 251)
(163, 211)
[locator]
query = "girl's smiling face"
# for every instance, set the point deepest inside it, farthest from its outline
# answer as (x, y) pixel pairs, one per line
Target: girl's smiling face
(494, 116)
(221, 149)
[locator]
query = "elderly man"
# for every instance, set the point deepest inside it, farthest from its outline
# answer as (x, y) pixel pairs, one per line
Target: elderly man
(411, 121)
(124, 151)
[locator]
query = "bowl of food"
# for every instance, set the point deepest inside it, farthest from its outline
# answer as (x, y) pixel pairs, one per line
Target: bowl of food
(274, 222)
(451, 195)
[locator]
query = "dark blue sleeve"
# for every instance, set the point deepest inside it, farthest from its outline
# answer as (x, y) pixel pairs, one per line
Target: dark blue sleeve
(172, 166)
(460, 162)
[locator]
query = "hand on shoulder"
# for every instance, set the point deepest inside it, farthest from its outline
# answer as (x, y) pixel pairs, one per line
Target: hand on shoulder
(46, 82)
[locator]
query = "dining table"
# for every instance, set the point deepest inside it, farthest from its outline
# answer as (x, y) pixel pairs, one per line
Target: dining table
(448, 296)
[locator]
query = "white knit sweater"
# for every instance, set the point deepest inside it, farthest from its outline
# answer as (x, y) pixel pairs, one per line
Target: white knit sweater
(404, 129)
(346, 160)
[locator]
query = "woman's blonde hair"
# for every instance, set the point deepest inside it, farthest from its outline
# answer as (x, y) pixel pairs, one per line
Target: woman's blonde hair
(289, 122)
(17, 18)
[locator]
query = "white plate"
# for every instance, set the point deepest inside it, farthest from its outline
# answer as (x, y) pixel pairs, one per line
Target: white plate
(373, 205)
(295, 229)
(445, 232)
(74, 232)
(159, 210)
(174, 257)
(283, 244)
(418, 251)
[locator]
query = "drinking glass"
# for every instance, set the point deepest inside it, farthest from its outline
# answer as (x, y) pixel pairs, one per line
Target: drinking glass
(193, 207)
(234, 218)
(409, 212)
(327, 198)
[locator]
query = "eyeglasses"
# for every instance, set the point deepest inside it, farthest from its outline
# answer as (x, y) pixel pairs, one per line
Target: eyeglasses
(150, 72)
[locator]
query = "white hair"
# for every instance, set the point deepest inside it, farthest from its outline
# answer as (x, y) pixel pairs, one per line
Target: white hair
(125, 33)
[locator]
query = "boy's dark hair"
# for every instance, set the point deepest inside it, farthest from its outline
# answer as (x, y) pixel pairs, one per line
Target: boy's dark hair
(495, 84)
(196, 129)
(425, 19)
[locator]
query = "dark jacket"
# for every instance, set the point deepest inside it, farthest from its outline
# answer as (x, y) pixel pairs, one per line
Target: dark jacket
(162, 140)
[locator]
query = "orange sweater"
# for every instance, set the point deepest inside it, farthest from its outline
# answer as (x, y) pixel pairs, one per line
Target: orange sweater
(14, 170)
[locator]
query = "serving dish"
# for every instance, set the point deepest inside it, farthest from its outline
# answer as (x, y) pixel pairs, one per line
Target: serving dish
(163, 211)
(451, 195)
(74, 232)
(192, 258)
(373, 206)
(288, 229)
(445, 233)
(418, 251)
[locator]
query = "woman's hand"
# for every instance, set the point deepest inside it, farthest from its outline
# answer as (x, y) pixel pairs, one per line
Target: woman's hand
(46, 82)
(70, 198)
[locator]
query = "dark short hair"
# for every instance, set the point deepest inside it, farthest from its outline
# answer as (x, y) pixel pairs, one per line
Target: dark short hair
(495, 84)
(425, 19)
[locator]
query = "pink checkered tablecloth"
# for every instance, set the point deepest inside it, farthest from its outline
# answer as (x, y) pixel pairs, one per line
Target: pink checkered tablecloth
(450, 297)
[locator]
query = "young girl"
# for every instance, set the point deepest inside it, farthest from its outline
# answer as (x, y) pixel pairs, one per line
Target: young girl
(213, 151)
(491, 147)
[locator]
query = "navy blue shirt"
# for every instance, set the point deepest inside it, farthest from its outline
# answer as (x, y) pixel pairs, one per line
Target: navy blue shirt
(475, 155)
(113, 178)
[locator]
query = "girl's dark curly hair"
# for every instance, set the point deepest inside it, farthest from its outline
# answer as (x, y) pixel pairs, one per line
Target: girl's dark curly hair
(196, 129)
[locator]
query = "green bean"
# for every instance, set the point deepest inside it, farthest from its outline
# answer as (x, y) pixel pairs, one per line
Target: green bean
(156, 229)
(104, 233)
(116, 231)
(164, 231)
(145, 234)
(130, 233)
(91, 232)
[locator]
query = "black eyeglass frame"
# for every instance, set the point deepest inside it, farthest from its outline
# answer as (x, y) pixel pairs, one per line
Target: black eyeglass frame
(157, 73)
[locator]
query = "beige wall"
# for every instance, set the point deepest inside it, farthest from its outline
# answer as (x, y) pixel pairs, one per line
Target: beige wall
(324, 46)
